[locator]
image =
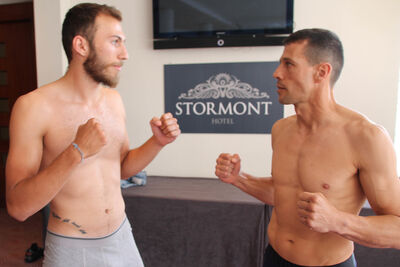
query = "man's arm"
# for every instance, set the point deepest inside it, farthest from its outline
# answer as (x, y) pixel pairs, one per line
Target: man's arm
(382, 231)
(28, 189)
(374, 231)
(165, 130)
(379, 181)
(378, 178)
(227, 170)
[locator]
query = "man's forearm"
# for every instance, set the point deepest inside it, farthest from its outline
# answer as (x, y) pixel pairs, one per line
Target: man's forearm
(260, 188)
(373, 231)
(137, 159)
(31, 194)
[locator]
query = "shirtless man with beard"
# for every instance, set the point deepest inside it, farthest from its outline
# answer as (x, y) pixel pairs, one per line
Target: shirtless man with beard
(69, 147)
(327, 160)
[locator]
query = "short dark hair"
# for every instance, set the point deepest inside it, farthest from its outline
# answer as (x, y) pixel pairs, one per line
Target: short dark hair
(322, 46)
(80, 20)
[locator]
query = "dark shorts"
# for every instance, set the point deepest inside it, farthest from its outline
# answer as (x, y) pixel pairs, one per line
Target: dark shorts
(272, 259)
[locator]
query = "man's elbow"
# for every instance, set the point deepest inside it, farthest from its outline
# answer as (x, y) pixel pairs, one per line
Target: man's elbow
(394, 240)
(269, 198)
(397, 240)
(16, 212)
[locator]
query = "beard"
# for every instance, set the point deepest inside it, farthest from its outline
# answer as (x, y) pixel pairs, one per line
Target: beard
(97, 70)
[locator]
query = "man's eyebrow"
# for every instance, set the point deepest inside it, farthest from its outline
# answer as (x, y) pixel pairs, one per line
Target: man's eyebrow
(119, 37)
(287, 59)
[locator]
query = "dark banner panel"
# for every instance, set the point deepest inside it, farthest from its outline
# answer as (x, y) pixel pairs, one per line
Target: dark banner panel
(223, 97)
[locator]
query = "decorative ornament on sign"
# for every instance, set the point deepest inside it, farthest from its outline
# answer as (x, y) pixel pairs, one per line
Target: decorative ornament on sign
(223, 85)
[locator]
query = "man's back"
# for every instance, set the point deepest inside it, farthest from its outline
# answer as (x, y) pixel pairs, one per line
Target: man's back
(319, 160)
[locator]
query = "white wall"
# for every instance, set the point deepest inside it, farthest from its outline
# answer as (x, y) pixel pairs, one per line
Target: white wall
(370, 32)
(49, 52)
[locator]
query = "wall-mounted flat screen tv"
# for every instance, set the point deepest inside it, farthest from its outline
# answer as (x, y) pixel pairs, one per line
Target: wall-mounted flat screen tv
(199, 18)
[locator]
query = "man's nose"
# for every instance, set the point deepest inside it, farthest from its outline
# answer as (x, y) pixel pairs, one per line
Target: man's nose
(277, 74)
(124, 53)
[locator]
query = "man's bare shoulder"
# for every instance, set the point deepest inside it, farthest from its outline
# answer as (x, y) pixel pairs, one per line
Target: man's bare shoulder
(36, 100)
(114, 100)
(35, 108)
(362, 132)
(112, 94)
(357, 124)
(282, 124)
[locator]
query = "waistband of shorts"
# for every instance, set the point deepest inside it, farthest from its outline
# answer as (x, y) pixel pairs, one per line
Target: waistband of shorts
(351, 261)
(90, 241)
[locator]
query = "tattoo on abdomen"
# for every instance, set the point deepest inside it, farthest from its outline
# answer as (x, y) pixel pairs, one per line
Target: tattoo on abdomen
(66, 220)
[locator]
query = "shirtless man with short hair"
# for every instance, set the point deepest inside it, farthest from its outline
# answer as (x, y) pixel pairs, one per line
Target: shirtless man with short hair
(327, 160)
(69, 146)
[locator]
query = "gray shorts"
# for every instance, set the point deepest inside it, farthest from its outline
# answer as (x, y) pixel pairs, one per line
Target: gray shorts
(117, 249)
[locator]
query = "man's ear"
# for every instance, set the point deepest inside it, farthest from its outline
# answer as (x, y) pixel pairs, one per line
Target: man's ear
(80, 45)
(323, 72)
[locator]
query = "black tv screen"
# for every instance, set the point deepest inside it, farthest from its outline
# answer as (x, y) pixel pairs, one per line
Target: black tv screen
(189, 18)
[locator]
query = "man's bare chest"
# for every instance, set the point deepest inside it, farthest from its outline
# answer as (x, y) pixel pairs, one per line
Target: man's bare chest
(314, 164)
(63, 127)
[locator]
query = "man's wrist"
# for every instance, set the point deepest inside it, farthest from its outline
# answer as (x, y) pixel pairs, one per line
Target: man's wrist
(339, 223)
(241, 176)
(157, 142)
(78, 151)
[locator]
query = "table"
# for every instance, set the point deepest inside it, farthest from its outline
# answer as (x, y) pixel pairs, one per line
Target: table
(196, 222)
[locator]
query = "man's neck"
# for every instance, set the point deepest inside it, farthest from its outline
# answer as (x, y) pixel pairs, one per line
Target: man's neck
(81, 87)
(317, 111)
